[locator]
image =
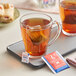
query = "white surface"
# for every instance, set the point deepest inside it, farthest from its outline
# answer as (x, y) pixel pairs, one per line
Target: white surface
(9, 66)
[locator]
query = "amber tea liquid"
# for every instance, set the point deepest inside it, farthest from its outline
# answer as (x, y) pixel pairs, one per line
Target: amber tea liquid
(35, 39)
(68, 16)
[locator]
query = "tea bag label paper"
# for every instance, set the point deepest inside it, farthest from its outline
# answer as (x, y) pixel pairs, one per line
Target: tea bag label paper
(25, 57)
(55, 62)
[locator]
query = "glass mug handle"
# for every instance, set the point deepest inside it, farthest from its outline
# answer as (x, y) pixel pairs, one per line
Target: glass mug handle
(57, 34)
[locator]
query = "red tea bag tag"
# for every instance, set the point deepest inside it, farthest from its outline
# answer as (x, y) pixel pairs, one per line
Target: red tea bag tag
(25, 57)
(55, 61)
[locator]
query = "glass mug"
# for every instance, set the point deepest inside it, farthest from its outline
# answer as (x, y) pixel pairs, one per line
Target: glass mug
(68, 16)
(36, 31)
(46, 3)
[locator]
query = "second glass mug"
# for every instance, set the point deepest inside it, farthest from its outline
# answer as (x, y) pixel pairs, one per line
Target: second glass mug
(36, 32)
(68, 16)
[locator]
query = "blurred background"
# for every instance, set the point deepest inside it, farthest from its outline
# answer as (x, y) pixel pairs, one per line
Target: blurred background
(38, 5)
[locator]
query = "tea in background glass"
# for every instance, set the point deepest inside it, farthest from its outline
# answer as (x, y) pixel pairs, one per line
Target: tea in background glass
(68, 16)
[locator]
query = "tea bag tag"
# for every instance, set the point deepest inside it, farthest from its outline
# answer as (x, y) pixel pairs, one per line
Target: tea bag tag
(55, 62)
(25, 57)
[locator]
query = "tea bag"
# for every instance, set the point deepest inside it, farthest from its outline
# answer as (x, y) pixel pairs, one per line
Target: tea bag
(35, 30)
(33, 34)
(36, 36)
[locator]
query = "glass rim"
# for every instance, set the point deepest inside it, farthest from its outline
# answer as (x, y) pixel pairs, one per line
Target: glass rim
(66, 7)
(47, 25)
